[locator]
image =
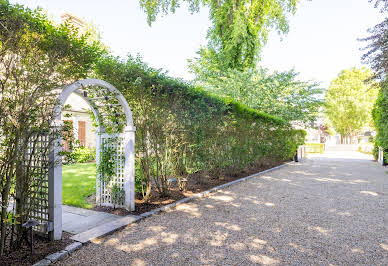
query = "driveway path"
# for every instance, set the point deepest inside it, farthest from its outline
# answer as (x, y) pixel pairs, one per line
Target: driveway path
(77, 220)
(323, 211)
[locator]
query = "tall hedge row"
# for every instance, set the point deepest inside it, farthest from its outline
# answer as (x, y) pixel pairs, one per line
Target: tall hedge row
(181, 129)
(380, 119)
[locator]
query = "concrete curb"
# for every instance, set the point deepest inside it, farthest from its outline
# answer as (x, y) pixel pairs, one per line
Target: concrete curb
(59, 255)
(105, 229)
(109, 228)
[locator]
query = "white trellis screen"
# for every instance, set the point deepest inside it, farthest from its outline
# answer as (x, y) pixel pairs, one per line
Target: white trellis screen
(38, 201)
(123, 145)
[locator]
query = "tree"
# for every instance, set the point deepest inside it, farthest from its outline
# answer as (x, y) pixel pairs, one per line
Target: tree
(383, 2)
(377, 57)
(35, 58)
(380, 118)
(349, 101)
(239, 28)
(377, 50)
(280, 94)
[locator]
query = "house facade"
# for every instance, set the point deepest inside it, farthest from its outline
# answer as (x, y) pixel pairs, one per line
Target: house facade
(78, 113)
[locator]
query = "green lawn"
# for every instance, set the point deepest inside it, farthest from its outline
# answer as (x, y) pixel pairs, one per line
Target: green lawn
(78, 182)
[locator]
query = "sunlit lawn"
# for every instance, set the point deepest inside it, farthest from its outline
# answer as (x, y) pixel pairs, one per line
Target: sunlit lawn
(78, 182)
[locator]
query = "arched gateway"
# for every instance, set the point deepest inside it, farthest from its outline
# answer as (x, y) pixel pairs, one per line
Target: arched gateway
(115, 134)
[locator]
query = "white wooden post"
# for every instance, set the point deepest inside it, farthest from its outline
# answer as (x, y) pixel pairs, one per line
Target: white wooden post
(55, 188)
(380, 158)
(129, 167)
(75, 127)
(98, 154)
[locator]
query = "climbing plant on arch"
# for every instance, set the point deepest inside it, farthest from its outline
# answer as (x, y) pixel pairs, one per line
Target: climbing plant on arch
(115, 137)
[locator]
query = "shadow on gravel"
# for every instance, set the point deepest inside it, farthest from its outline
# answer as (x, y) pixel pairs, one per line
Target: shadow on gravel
(309, 213)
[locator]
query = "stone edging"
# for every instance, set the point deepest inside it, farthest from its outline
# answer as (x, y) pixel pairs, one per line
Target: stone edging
(111, 227)
(59, 255)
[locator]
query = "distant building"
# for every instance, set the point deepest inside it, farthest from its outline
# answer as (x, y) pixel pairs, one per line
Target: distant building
(79, 114)
(74, 21)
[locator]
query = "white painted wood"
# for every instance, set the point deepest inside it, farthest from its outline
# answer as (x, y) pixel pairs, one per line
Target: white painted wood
(129, 168)
(55, 187)
(67, 90)
(381, 156)
(55, 174)
(98, 148)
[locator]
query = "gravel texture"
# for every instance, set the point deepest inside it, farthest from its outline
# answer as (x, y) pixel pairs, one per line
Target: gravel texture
(323, 211)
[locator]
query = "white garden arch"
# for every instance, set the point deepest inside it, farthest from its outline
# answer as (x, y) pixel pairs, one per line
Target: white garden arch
(114, 128)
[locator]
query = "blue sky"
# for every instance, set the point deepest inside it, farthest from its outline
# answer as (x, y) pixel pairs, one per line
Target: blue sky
(322, 39)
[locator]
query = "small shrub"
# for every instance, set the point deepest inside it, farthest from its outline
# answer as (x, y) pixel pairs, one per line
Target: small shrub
(118, 195)
(84, 154)
(79, 155)
(315, 147)
(366, 148)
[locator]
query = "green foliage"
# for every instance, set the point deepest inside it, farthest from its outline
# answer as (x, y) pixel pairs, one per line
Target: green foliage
(79, 155)
(382, 4)
(349, 101)
(315, 147)
(377, 50)
(239, 28)
(106, 167)
(35, 57)
(366, 148)
(74, 153)
(118, 195)
(84, 154)
(380, 118)
(181, 129)
(377, 57)
(279, 94)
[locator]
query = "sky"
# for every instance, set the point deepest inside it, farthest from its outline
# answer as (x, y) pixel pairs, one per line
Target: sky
(322, 41)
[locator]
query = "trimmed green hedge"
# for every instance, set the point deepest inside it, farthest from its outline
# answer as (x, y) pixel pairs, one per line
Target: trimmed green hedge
(315, 147)
(181, 129)
(380, 119)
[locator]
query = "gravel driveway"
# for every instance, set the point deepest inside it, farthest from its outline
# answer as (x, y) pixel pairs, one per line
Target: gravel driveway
(324, 211)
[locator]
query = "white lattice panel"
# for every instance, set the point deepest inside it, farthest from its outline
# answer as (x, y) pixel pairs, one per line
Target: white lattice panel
(115, 141)
(39, 188)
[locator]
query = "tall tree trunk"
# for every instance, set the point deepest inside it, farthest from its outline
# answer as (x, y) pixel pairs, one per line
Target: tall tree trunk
(147, 195)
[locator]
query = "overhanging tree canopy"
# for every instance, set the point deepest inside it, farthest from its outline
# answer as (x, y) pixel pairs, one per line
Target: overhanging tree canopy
(239, 27)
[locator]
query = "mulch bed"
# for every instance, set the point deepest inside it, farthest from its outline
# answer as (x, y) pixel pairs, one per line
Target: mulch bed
(42, 248)
(197, 183)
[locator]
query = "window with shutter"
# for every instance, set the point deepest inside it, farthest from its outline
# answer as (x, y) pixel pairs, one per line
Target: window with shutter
(82, 133)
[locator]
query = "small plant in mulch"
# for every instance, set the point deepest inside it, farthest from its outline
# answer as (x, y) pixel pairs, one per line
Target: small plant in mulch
(118, 195)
